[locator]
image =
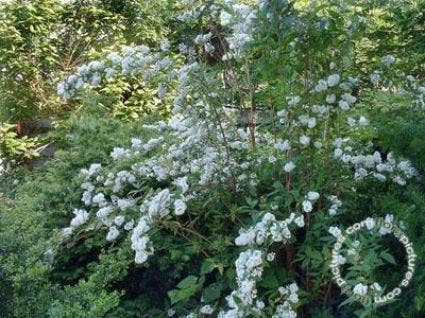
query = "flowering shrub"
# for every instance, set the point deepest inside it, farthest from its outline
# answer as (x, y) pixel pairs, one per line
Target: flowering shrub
(236, 199)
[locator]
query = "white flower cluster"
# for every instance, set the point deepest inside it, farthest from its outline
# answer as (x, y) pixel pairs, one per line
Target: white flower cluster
(334, 86)
(388, 60)
(81, 217)
(130, 61)
(310, 198)
(335, 231)
(193, 10)
(249, 268)
(250, 264)
(188, 156)
(334, 83)
(374, 165)
(361, 289)
(204, 40)
(207, 310)
(287, 309)
(239, 18)
(268, 230)
(389, 218)
(335, 204)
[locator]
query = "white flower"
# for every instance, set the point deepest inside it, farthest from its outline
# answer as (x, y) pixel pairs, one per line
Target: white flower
(330, 99)
(245, 237)
(338, 152)
(375, 78)
(307, 206)
(340, 260)
(282, 145)
(282, 113)
(81, 217)
(289, 166)
(350, 99)
(305, 140)
(225, 18)
(136, 143)
(272, 159)
(249, 264)
(335, 231)
(67, 232)
(399, 180)
(363, 121)
(351, 121)
(158, 206)
(360, 289)
(380, 177)
(271, 256)
(293, 298)
(292, 101)
(332, 211)
(182, 184)
(299, 221)
(140, 257)
(313, 196)
(282, 291)
(311, 123)
(293, 288)
(165, 45)
(207, 310)
(208, 47)
(260, 304)
(179, 207)
(318, 144)
(99, 199)
(321, 86)
(343, 105)
(112, 234)
(388, 59)
(119, 220)
(96, 79)
(333, 80)
(406, 167)
(375, 286)
(104, 212)
(124, 204)
(129, 225)
(118, 153)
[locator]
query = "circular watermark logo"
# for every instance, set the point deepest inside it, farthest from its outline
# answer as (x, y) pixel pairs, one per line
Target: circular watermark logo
(360, 292)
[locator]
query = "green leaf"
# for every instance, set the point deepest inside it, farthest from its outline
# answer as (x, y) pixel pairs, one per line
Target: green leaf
(269, 279)
(212, 292)
(388, 257)
(186, 288)
(208, 266)
(188, 282)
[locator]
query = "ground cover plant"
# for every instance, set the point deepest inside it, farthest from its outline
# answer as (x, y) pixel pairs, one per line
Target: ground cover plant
(257, 133)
